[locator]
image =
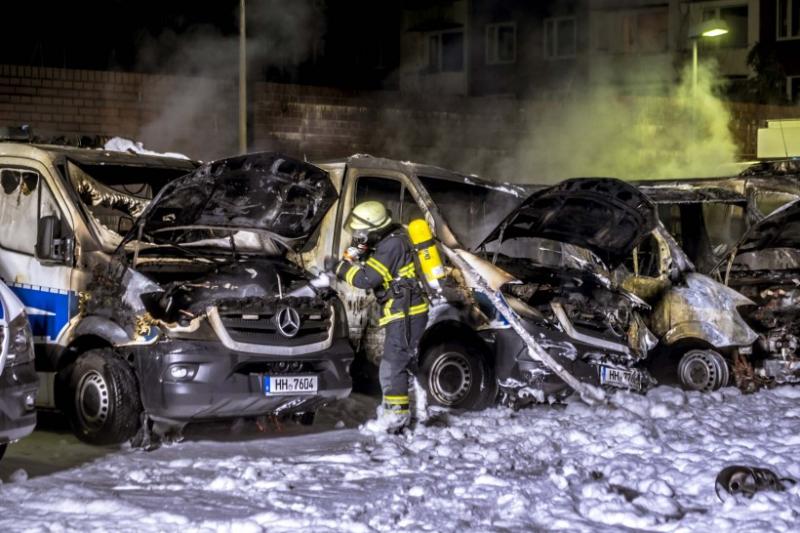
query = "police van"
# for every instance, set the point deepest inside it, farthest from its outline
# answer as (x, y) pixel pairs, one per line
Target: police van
(18, 380)
(149, 328)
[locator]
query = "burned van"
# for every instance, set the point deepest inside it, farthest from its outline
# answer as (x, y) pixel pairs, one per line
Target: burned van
(729, 238)
(156, 302)
(554, 274)
(764, 265)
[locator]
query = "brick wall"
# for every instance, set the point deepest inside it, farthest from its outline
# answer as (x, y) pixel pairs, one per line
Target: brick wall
(198, 116)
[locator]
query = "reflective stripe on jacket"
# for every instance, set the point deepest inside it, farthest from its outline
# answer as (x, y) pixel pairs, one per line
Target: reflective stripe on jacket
(391, 274)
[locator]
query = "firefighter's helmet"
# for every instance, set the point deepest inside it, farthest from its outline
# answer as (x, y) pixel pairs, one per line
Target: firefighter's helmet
(369, 216)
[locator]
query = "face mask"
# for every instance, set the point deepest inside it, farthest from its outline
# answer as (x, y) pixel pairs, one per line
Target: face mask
(360, 237)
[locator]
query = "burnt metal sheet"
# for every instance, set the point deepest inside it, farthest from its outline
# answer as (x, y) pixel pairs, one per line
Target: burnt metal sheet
(688, 194)
(778, 167)
(604, 215)
(264, 192)
(105, 157)
(781, 229)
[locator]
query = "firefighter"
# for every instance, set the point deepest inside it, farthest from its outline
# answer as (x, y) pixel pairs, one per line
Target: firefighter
(382, 258)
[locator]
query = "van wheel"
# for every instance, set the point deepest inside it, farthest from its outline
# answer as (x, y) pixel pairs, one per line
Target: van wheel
(3, 450)
(458, 376)
(703, 370)
(102, 398)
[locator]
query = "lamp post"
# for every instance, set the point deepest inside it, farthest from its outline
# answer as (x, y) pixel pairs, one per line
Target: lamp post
(242, 79)
(708, 28)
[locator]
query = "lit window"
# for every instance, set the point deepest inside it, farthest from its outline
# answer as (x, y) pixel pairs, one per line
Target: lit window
(559, 37)
(501, 43)
(788, 19)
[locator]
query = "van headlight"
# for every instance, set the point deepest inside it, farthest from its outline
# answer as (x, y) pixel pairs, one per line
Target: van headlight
(20, 341)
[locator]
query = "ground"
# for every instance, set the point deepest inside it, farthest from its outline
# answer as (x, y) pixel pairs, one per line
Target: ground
(640, 462)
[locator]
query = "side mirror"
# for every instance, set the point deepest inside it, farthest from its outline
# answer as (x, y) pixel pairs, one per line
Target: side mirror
(51, 246)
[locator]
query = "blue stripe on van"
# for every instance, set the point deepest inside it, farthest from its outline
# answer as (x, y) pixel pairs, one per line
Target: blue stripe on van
(49, 310)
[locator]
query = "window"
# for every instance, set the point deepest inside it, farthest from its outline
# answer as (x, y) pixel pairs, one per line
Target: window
(471, 211)
(25, 198)
(704, 231)
(501, 43)
(788, 19)
(646, 31)
(793, 89)
(391, 194)
(559, 37)
(736, 18)
(445, 51)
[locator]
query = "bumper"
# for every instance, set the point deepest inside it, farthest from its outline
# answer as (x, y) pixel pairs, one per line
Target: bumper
(18, 386)
(227, 384)
(514, 365)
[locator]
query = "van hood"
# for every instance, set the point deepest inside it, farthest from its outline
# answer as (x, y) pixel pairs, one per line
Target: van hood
(781, 229)
(270, 194)
(603, 215)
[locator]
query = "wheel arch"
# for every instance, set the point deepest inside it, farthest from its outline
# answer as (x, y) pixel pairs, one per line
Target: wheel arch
(450, 330)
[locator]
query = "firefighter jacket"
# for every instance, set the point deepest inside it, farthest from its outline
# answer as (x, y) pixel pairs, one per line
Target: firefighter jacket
(391, 273)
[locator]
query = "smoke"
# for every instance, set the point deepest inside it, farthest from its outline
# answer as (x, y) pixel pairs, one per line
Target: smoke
(192, 107)
(602, 132)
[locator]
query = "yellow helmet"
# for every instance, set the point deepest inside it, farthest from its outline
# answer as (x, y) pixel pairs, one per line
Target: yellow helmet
(369, 216)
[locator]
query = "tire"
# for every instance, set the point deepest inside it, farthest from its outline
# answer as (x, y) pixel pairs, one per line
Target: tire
(703, 370)
(458, 376)
(101, 398)
(3, 450)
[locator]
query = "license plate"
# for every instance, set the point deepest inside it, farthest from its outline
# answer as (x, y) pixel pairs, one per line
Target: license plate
(617, 377)
(278, 385)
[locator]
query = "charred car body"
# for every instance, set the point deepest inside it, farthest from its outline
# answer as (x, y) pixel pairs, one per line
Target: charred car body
(560, 248)
(18, 380)
(729, 238)
(765, 266)
(195, 314)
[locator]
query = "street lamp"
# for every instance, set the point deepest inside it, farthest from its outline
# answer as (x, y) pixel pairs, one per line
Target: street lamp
(708, 28)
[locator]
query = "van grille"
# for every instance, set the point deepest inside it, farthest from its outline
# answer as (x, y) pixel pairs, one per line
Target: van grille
(258, 325)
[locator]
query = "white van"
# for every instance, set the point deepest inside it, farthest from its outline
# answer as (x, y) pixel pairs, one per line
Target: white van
(116, 361)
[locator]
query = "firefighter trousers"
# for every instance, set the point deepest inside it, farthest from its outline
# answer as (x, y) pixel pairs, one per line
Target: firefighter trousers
(399, 361)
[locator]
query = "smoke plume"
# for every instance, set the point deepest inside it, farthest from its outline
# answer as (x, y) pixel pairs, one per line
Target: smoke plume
(604, 133)
(193, 106)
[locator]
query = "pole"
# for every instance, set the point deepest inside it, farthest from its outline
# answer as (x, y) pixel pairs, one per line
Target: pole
(694, 69)
(242, 80)
(694, 86)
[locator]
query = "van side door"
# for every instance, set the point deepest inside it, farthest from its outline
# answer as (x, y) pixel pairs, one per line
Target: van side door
(391, 189)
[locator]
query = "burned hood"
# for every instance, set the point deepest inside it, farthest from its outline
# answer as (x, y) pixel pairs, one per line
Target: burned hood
(781, 229)
(263, 193)
(603, 215)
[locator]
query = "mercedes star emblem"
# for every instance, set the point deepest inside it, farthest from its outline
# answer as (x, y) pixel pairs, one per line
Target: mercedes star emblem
(288, 321)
